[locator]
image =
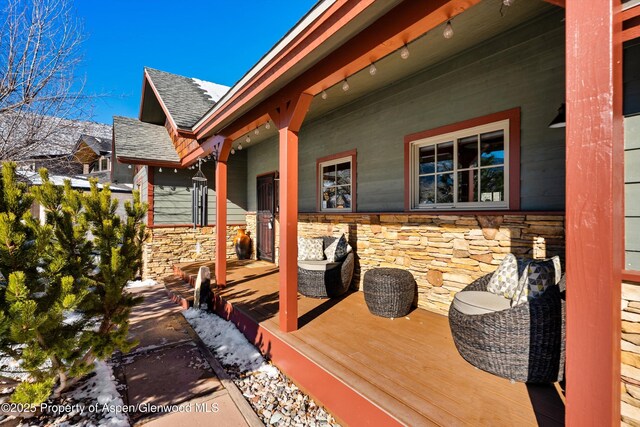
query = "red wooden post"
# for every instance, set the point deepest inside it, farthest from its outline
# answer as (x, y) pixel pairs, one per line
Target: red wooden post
(221, 213)
(594, 209)
(289, 119)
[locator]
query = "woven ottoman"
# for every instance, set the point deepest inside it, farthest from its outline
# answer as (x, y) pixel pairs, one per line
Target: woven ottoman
(389, 292)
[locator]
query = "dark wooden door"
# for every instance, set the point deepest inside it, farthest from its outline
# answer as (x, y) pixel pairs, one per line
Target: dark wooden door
(266, 217)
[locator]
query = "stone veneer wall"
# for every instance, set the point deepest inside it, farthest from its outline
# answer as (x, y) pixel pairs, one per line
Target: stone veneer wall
(169, 245)
(443, 252)
(630, 346)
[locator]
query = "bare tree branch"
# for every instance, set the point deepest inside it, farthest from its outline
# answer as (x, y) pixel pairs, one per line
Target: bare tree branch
(40, 94)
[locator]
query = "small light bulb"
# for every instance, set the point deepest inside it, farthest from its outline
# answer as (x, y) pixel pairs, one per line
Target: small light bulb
(247, 139)
(130, 166)
(160, 170)
(240, 146)
(175, 171)
(257, 131)
(324, 95)
(267, 125)
(233, 151)
(507, 2)
(448, 31)
(404, 52)
(373, 70)
(345, 85)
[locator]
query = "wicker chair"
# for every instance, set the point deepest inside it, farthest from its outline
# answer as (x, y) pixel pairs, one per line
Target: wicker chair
(525, 343)
(332, 280)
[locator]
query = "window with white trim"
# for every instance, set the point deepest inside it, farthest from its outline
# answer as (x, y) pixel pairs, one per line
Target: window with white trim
(336, 185)
(467, 168)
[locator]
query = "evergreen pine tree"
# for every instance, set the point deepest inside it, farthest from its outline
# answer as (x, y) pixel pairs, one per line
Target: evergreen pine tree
(64, 301)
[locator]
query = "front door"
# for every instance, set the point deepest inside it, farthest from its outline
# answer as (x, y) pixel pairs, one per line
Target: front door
(266, 217)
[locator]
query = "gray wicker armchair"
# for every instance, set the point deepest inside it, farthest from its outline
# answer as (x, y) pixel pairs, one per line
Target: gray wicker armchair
(324, 279)
(524, 343)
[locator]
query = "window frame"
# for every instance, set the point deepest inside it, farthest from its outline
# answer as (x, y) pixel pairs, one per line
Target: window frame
(508, 120)
(346, 156)
(454, 137)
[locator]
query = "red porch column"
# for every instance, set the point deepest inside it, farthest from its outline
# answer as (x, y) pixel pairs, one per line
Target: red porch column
(223, 150)
(594, 211)
(288, 117)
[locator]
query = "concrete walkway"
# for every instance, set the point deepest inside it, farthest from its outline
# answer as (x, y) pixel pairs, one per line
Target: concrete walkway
(171, 366)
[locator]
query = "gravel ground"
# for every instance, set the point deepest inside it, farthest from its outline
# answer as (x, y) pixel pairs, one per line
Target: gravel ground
(275, 399)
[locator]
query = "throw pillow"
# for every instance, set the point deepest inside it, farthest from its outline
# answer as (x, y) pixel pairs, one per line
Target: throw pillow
(505, 279)
(338, 250)
(310, 249)
(537, 277)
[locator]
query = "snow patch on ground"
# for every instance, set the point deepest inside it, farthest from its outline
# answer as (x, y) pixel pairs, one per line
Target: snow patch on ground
(213, 90)
(140, 283)
(227, 341)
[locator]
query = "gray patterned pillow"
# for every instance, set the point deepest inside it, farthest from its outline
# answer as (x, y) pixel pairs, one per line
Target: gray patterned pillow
(338, 250)
(538, 276)
(505, 279)
(310, 249)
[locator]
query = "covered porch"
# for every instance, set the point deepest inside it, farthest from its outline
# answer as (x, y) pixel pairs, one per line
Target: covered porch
(372, 369)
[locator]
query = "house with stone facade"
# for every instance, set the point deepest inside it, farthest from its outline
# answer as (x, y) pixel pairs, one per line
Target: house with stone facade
(421, 131)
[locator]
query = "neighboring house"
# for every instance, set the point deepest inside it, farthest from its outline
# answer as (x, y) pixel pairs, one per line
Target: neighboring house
(430, 153)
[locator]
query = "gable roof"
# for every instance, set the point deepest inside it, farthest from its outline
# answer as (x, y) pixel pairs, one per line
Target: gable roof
(186, 99)
(136, 140)
(97, 144)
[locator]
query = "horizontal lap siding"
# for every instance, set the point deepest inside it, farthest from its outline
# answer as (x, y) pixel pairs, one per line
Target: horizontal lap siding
(632, 192)
(523, 68)
(173, 193)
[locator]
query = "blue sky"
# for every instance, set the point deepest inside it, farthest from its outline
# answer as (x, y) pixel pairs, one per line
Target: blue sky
(215, 40)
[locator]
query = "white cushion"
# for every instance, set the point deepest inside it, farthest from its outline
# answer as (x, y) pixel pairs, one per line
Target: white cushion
(480, 302)
(318, 265)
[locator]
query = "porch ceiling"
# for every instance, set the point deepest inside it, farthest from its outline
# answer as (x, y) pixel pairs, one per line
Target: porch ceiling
(475, 26)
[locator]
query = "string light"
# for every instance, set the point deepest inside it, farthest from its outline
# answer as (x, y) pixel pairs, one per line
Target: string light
(448, 31)
(247, 139)
(324, 95)
(257, 131)
(130, 166)
(507, 2)
(404, 52)
(345, 85)
(160, 170)
(233, 151)
(373, 70)
(267, 125)
(175, 171)
(240, 146)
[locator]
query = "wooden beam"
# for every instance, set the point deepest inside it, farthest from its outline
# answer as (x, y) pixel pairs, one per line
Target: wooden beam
(594, 211)
(403, 24)
(288, 117)
(561, 3)
(221, 213)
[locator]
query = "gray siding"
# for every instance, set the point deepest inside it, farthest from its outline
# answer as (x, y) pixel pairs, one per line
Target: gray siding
(524, 68)
(632, 192)
(172, 193)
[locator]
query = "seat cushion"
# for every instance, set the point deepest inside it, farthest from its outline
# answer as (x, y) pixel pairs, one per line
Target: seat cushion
(504, 280)
(310, 249)
(480, 302)
(323, 265)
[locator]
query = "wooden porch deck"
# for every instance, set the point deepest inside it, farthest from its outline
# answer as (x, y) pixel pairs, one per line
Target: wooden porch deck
(407, 368)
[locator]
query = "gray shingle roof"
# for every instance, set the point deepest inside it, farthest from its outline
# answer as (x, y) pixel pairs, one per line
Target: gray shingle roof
(98, 145)
(186, 100)
(145, 141)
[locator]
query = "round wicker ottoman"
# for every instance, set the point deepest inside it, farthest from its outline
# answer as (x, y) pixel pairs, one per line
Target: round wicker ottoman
(389, 292)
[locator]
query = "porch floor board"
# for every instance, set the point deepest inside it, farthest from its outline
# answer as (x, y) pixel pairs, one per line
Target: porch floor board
(408, 366)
